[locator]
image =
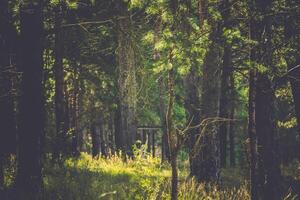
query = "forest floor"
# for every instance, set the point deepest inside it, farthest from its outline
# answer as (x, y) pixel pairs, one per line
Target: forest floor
(144, 178)
(87, 178)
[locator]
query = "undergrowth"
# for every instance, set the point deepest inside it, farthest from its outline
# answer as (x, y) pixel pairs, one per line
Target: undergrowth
(87, 178)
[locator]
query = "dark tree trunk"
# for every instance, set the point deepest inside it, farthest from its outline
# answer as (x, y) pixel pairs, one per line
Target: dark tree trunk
(204, 159)
(231, 123)
(102, 135)
(153, 143)
(59, 86)
(127, 79)
(265, 171)
(95, 134)
(95, 139)
(74, 112)
(118, 134)
(164, 140)
(172, 136)
(149, 141)
(251, 142)
(8, 37)
(225, 88)
(31, 116)
(205, 155)
(269, 172)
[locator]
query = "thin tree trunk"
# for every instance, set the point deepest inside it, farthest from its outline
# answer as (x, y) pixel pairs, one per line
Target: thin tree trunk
(164, 140)
(118, 134)
(102, 135)
(74, 110)
(153, 143)
(251, 141)
(95, 139)
(148, 141)
(172, 137)
(225, 88)
(231, 123)
(31, 116)
(59, 85)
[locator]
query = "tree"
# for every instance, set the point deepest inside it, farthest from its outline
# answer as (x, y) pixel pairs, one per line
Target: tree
(8, 37)
(61, 126)
(127, 79)
(224, 107)
(31, 104)
(204, 159)
(265, 172)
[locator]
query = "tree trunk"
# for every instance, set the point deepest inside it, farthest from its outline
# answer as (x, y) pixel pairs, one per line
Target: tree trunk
(204, 159)
(231, 123)
(264, 165)
(269, 172)
(153, 143)
(59, 85)
(172, 137)
(95, 139)
(251, 141)
(205, 155)
(127, 79)
(119, 140)
(225, 87)
(74, 110)
(164, 140)
(31, 116)
(8, 36)
(102, 135)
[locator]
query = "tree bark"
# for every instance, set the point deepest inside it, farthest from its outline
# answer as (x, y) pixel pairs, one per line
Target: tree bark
(31, 116)
(251, 142)
(231, 123)
(127, 79)
(8, 135)
(205, 157)
(102, 135)
(172, 136)
(225, 87)
(264, 165)
(164, 140)
(95, 139)
(74, 111)
(59, 86)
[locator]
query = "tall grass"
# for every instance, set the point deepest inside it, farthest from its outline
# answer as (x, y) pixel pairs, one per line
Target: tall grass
(145, 177)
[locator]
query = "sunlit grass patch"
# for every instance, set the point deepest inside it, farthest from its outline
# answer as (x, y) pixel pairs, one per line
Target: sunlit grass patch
(112, 178)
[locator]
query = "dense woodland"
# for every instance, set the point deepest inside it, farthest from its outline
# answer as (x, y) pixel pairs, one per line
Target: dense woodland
(149, 99)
